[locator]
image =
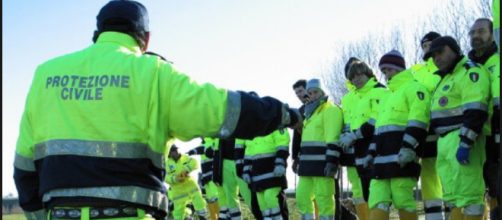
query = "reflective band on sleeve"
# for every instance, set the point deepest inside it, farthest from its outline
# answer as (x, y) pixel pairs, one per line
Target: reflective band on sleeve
(349, 150)
(332, 153)
(24, 163)
(262, 177)
(239, 146)
(371, 121)
(259, 156)
(389, 128)
(372, 147)
(313, 144)
(496, 101)
(446, 113)
(417, 124)
(386, 159)
(475, 106)
(283, 148)
(446, 129)
(410, 140)
(468, 133)
(132, 194)
(36, 215)
(313, 157)
(280, 161)
(98, 149)
(231, 114)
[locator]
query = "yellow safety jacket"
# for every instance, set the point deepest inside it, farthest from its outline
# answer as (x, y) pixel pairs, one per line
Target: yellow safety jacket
(261, 156)
(461, 102)
(206, 163)
(360, 111)
(401, 122)
(320, 133)
(188, 185)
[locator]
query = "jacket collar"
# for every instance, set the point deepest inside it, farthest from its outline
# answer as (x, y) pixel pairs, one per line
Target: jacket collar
(119, 38)
(368, 86)
(486, 55)
(399, 79)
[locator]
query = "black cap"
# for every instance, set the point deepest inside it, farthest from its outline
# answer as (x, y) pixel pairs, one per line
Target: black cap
(347, 65)
(132, 11)
(429, 37)
(173, 148)
(439, 43)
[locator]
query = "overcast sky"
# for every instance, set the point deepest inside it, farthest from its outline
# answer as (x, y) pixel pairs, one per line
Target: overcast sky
(259, 45)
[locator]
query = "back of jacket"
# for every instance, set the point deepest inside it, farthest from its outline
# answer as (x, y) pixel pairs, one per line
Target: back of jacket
(96, 123)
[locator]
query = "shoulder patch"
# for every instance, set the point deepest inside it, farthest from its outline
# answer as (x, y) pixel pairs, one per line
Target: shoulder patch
(474, 76)
(420, 95)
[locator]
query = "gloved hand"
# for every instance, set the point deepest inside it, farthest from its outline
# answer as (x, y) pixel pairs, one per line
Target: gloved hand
(463, 155)
(347, 139)
(279, 170)
(367, 161)
(405, 156)
(295, 166)
(246, 178)
(330, 169)
(181, 177)
(191, 152)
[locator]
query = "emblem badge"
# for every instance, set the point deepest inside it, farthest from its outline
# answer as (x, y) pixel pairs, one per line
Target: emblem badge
(474, 76)
(446, 87)
(443, 101)
(420, 95)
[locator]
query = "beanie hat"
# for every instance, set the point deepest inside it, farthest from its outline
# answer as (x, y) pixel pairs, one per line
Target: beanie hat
(314, 83)
(393, 59)
(429, 37)
(131, 11)
(440, 43)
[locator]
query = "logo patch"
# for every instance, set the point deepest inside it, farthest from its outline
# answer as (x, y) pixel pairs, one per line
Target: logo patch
(446, 87)
(420, 95)
(474, 76)
(443, 101)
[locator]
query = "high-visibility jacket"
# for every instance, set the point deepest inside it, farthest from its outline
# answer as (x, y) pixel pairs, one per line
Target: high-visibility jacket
(110, 109)
(206, 163)
(261, 156)
(347, 157)
(490, 61)
(320, 133)
(461, 101)
(424, 74)
(363, 110)
(496, 21)
(401, 122)
(239, 156)
(174, 168)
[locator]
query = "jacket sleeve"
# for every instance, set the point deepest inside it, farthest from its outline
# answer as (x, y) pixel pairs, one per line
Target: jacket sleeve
(170, 176)
(333, 123)
(26, 177)
(191, 164)
(378, 94)
(215, 111)
(281, 139)
(418, 100)
(475, 96)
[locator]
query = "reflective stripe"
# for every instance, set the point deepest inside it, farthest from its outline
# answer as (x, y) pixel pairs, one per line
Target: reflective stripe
(210, 173)
(280, 161)
(36, 215)
(98, 149)
(435, 215)
(433, 203)
(496, 101)
(468, 133)
(184, 195)
(386, 159)
(282, 148)
(372, 121)
(372, 147)
(307, 216)
(313, 157)
(475, 210)
(275, 211)
(417, 124)
(360, 161)
(239, 146)
(232, 114)
(239, 161)
(346, 128)
(446, 113)
(475, 106)
(445, 129)
(313, 144)
(259, 156)
(463, 144)
(326, 217)
(246, 168)
(132, 194)
(410, 140)
(432, 138)
(263, 177)
(497, 138)
(24, 163)
(332, 153)
(389, 128)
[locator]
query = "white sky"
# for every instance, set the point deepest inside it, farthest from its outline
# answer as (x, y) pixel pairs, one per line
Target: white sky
(259, 45)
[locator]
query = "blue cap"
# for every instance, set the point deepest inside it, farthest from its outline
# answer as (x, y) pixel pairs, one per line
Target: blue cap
(131, 11)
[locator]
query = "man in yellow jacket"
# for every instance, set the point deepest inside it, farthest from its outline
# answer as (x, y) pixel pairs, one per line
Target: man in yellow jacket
(184, 189)
(400, 126)
(319, 154)
(459, 113)
(110, 109)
